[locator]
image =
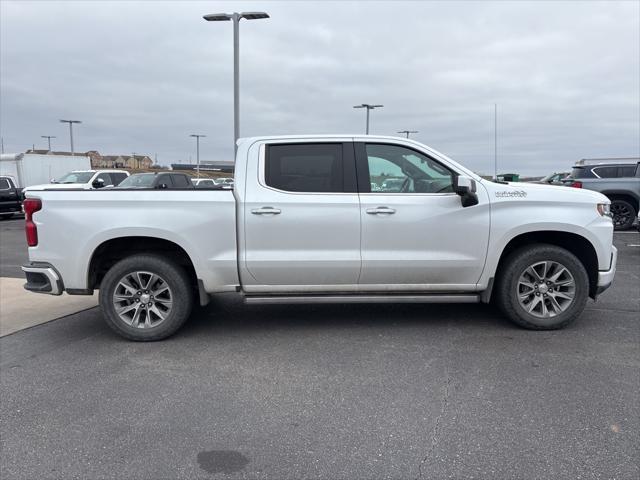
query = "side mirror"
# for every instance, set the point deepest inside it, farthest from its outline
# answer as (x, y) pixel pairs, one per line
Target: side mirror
(53, 180)
(162, 186)
(98, 183)
(465, 187)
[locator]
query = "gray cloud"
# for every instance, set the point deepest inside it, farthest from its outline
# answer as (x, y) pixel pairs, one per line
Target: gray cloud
(144, 75)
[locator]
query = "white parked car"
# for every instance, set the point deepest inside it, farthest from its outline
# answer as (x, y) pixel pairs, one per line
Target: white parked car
(85, 179)
(204, 182)
(304, 225)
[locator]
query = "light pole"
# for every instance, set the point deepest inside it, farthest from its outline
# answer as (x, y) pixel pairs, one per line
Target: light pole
(235, 17)
(71, 122)
(495, 141)
(368, 106)
(197, 152)
(407, 132)
(48, 137)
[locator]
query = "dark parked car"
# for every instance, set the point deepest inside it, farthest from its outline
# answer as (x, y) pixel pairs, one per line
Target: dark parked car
(10, 197)
(618, 179)
(158, 180)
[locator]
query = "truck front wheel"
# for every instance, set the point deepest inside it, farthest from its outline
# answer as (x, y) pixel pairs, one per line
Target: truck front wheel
(542, 287)
(145, 297)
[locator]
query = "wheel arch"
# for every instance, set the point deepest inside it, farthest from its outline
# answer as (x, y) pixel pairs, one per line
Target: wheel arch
(580, 246)
(111, 251)
(623, 195)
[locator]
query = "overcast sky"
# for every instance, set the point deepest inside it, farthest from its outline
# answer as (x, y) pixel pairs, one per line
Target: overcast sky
(144, 75)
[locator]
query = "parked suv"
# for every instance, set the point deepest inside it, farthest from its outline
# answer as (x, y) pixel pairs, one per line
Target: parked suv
(158, 181)
(618, 179)
(10, 197)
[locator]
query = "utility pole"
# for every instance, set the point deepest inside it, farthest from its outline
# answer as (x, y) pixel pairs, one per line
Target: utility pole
(71, 122)
(48, 137)
(235, 17)
(407, 132)
(1, 144)
(368, 106)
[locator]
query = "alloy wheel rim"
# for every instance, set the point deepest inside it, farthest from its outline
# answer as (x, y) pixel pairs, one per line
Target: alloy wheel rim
(546, 289)
(620, 214)
(142, 299)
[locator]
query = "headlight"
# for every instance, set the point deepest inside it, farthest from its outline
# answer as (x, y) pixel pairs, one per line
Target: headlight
(604, 209)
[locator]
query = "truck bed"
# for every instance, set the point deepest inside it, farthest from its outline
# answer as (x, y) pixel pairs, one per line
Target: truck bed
(200, 221)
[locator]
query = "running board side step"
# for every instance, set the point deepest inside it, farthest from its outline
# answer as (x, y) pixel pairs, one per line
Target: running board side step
(433, 298)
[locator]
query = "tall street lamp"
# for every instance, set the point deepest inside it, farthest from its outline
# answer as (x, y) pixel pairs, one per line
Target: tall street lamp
(48, 137)
(235, 17)
(197, 152)
(368, 106)
(407, 132)
(71, 122)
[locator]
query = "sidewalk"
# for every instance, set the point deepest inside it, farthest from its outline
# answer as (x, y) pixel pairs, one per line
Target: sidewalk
(21, 309)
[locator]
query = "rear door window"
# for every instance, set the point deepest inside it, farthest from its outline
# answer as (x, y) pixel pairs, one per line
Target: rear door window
(305, 167)
(627, 171)
(606, 172)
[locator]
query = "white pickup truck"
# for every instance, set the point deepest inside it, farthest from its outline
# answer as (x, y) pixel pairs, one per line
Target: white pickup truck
(324, 219)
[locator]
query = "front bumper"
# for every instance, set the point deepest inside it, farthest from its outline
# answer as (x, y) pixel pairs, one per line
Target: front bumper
(605, 277)
(42, 278)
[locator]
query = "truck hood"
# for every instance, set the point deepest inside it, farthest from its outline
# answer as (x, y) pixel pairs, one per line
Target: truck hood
(541, 193)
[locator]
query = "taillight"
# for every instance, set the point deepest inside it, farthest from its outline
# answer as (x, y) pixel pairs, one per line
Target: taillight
(31, 206)
(576, 184)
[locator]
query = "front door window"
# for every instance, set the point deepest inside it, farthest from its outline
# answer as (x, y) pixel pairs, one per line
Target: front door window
(396, 169)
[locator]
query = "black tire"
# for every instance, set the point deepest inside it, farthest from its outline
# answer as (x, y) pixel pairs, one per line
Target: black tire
(172, 274)
(623, 214)
(507, 288)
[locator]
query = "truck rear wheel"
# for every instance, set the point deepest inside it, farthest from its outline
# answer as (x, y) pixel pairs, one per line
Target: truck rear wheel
(542, 287)
(145, 297)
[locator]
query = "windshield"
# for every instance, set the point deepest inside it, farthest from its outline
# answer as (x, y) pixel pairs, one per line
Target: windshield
(138, 180)
(75, 177)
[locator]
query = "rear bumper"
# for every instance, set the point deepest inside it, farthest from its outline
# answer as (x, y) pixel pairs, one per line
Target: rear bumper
(605, 277)
(42, 278)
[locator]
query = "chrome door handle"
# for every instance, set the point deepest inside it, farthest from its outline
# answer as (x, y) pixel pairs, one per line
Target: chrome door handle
(379, 210)
(266, 211)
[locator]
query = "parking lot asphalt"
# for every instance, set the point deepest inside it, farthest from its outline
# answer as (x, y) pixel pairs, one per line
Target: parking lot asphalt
(13, 247)
(343, 391)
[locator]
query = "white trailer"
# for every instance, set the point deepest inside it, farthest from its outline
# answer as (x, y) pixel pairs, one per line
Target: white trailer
(34, 169)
